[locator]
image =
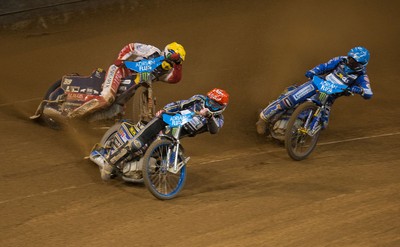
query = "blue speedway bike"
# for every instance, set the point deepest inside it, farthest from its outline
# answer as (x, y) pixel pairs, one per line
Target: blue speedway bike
(301, 126)
(162, 166)
(305, 123)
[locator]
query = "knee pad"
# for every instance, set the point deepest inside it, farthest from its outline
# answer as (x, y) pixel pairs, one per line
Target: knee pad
(270, 111)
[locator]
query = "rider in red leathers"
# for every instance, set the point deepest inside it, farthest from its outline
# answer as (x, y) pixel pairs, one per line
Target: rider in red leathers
(170, 71)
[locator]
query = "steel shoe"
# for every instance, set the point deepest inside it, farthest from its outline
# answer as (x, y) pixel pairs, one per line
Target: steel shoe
(106, 169)
(261, 126)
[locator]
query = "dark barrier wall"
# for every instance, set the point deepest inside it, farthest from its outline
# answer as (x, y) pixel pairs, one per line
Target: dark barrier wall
(26, 14)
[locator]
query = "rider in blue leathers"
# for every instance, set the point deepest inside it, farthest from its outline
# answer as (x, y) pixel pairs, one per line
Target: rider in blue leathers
(350, 70)
(209, 118)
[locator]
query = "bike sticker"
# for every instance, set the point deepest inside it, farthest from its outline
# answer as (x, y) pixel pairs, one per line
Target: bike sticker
(303, 92)
(75, 96)
(334, 79)
(110, 77)
(132, 130)
(67, 81)
(287, 102)
(330, 86)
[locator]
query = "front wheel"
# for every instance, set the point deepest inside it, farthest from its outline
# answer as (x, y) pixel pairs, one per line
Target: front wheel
(298, 142)
(143, 105)
(157, 165)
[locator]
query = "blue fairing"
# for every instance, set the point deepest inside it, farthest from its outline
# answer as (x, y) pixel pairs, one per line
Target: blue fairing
(145, 65)
(179, 119)
(328, 87)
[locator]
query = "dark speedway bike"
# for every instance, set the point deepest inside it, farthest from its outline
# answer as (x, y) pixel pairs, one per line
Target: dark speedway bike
(74, 90)
(161, 165)
(301, 126)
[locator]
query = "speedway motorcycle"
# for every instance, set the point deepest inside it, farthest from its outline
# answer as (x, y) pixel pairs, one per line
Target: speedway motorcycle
(161, 165)
(301, 126)
(74, 90)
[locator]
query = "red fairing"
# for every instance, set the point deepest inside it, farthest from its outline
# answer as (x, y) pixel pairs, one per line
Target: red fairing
(176, 74)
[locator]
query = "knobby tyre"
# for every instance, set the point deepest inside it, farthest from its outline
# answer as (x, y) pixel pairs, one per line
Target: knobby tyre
(109, 135)
(141, 110)
(162, 184)
(298, 143)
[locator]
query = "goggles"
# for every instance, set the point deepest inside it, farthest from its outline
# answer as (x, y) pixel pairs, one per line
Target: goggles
(213, 105)
(353, 64)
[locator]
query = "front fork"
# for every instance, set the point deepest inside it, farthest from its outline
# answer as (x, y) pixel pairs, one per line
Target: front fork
(315, 125)
(173, 154)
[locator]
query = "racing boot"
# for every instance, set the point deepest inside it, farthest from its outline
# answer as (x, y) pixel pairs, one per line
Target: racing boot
(106, 169)
(266, 115)
(261, 126)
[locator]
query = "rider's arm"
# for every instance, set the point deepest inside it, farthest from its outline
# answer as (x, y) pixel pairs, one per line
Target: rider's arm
(184, 104)
(173, 106)
(174, 75)
(215, 123)
(324, 68)
(138, 50)
(171, 74)
(363, 82)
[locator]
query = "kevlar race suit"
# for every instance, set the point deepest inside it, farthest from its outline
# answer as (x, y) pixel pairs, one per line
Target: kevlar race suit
(210, 122)
(297, 95)
(117, 71)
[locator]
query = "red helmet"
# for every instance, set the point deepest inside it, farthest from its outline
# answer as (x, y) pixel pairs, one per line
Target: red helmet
(219, 96)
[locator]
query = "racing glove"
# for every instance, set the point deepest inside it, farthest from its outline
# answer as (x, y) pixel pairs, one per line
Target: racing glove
(170, 60)
(166, 65)
(310, 74)
(118, 62)
(175, 57)
(356, 90)
(205, 112)
(159, 113)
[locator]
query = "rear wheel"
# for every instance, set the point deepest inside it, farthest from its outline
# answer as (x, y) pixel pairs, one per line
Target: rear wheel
(157, 164)
(299, 144)
(109, 135)
(48, 119)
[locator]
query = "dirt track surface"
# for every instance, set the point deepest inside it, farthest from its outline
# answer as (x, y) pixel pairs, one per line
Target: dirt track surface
(242, 190)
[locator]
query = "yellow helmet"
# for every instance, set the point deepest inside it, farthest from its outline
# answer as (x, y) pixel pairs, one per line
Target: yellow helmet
(175, 48)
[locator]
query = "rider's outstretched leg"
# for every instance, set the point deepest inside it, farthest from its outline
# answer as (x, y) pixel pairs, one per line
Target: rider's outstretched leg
(287, 100)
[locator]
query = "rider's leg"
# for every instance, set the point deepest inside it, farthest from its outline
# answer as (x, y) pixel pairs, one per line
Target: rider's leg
(284, 103)
(107, 95)
(132, 147)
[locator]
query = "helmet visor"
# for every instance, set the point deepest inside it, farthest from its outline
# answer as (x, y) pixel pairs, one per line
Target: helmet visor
(213, 105)
(353, 64)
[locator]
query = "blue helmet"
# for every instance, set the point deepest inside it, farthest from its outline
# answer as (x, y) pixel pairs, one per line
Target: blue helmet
(360, 55)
